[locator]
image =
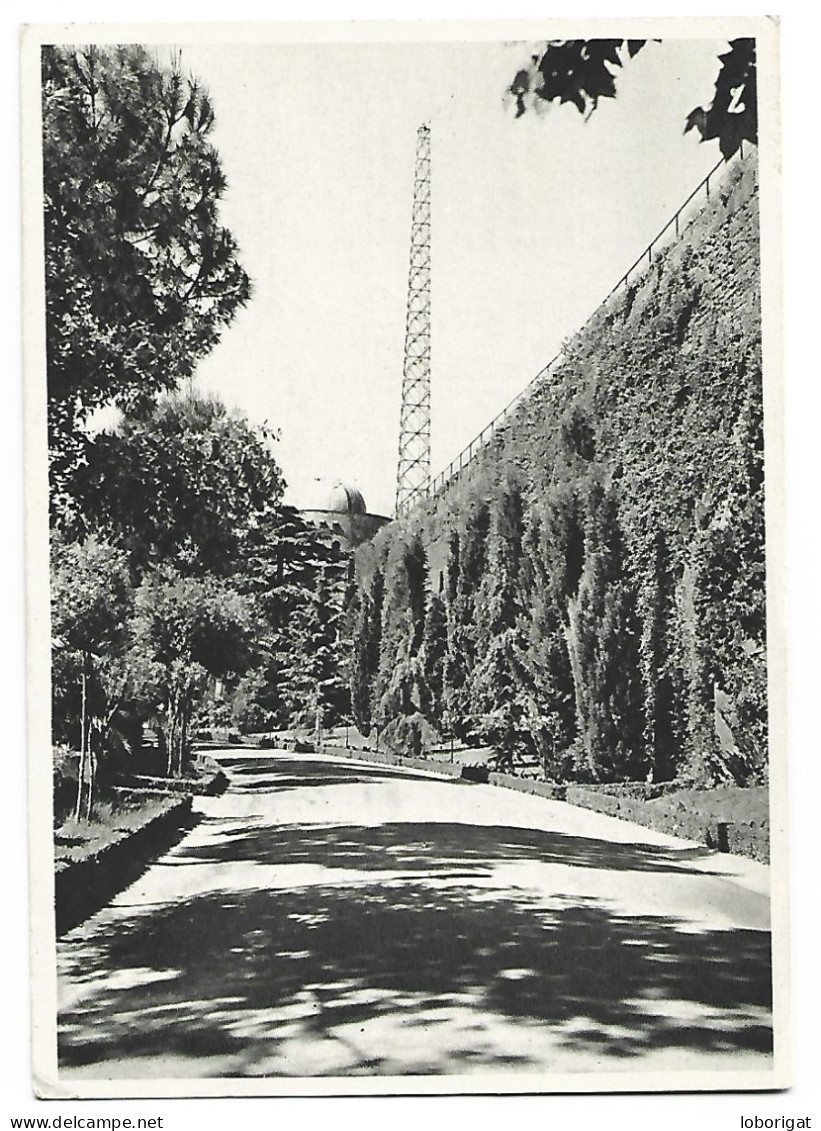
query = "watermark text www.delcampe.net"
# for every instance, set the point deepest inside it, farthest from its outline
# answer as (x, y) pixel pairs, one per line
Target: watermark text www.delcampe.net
(88, 1123)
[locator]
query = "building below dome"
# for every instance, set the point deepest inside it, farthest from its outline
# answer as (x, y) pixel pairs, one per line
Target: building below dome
(338, 510)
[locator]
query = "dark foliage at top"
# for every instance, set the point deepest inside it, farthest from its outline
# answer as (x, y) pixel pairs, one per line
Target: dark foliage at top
(732, 116)
(581, 71)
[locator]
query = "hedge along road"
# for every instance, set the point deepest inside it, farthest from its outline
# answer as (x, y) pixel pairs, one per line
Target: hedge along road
(330, 918)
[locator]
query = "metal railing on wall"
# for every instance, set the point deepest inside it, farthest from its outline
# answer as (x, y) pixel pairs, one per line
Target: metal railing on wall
(672, 230)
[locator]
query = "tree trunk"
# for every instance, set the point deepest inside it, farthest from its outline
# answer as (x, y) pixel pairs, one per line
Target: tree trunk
(177, 731)
(83, 768)
(317, 719)
(185, 711)
(171, 712)
(93, 734)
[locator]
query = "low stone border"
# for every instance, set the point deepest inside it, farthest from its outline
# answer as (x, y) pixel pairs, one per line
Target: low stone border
(751, 840)
(529, 785)
(626, 803)
(210, 786)
(429, 765)
(84, 886)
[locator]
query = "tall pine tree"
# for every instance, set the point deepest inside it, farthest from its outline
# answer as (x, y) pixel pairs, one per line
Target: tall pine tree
(604, 637)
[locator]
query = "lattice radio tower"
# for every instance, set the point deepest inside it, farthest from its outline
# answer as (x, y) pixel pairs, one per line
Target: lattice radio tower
(413, 472)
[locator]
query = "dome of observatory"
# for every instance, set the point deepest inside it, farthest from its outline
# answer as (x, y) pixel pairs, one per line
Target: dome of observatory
(345, 499)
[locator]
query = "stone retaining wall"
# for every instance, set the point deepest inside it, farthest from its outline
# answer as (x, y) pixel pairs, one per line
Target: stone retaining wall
(84, 886)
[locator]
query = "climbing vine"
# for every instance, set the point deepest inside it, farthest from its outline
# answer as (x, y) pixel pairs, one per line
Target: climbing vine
(590, 592)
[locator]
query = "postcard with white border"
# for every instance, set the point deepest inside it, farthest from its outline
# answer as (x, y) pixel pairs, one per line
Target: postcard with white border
(404, 474)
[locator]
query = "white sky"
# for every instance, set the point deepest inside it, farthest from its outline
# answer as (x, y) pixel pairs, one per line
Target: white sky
(533, 220)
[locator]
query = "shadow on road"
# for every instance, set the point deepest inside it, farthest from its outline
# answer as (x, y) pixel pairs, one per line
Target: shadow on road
(430, 847)
(238, 975)
(266, 775)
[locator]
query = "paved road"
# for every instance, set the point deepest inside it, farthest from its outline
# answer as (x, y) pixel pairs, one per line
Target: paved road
(324, 918)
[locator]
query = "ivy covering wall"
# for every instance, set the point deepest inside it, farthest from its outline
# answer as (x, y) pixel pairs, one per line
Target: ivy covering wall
(590, 590)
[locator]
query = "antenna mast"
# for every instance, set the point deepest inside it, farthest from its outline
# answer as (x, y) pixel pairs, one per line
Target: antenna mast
(413, 472)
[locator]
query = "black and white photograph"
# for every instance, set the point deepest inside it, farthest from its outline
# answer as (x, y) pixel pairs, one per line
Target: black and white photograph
(404, 476)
